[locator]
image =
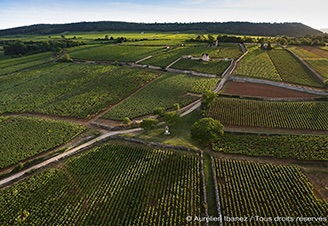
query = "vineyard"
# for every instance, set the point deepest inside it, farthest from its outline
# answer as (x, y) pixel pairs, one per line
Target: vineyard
(113, 52)
(169, 56)
(23, 137)
(276, 65)
(12, 65)
(211, 67)
(70, 89)
(250, 189)
(310, 115)
(280, 146)
(291, 70)
(257, 64)
(163, 92)
(115, 184)
(316, 58)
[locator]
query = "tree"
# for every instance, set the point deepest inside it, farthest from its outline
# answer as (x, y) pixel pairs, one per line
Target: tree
(65, 58)
(170, 118)
(148, 123)
(160, 111)
(207, 98)
(206, 130)
(126, 121)
(176, 106)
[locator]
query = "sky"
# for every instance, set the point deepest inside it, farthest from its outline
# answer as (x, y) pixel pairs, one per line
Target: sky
(14, 13)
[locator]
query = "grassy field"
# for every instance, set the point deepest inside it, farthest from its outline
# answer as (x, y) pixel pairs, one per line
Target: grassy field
(251, 189)
(70, 89)
(24, 137)
(163, 92)
(114, 184)
(316, 58)
(310, 115)
(280, 146)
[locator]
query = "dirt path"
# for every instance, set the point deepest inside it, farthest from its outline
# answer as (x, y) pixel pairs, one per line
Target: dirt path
(81, 147)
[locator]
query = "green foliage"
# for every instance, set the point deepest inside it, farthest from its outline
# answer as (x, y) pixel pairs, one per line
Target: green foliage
(148, 186)
(176, 106)
(24, 137)
(266, 190)
(160, 111)
(211, 67)
(291, 70)
(65, 58)
(126, 121)
(257, 63)
(270, 114)
(171, 118)
(315, 57)
(207, 98)
(8, 66)
(164, 91)
(70, 89)
(20, 47)
(206, 130)
(113, 52)
(165, 58)
(148, 123)
(278, 65)
(280, 146)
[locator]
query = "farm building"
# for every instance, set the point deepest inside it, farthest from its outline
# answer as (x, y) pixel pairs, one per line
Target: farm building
(205, 57)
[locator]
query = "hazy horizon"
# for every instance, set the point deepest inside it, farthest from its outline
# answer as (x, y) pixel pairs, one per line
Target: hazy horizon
(22, 13)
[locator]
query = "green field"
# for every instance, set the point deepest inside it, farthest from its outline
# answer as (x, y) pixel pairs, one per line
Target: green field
(11, 65)
(280, 146)
(114, 184)
(70, 89)
(257, 64)
(291, 70)
(163, 92)
(316, 58)
(250, 189)
(111, 52)
(210, 67)
(24, 137)
(169, 56)
(310, 115)
(276, 65)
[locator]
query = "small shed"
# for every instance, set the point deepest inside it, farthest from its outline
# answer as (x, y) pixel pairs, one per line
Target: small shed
(205, 57)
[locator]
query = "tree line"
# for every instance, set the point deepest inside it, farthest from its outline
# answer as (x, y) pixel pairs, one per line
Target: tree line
(311, 40)
(240, 28)
(18, 47)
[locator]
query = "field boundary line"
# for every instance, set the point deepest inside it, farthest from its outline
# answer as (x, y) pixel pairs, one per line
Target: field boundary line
(217, 197)
(203, 188)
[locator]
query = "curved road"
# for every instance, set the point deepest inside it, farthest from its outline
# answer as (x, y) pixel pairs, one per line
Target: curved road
(64, 155)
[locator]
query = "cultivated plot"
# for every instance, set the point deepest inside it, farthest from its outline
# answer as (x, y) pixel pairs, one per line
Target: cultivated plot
(24, 137)
(310, 115)
(112, 184)
(255, 190)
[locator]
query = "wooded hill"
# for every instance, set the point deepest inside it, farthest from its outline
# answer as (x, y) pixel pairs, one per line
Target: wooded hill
(240, 28)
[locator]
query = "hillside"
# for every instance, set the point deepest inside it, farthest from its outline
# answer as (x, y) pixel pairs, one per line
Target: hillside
(241, 28)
